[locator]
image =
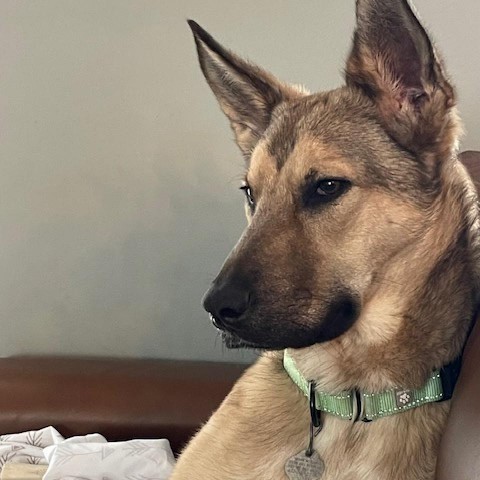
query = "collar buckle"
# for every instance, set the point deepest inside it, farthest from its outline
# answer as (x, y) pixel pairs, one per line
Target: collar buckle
(358, 407)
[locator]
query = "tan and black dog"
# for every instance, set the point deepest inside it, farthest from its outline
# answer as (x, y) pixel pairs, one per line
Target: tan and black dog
(360, 259)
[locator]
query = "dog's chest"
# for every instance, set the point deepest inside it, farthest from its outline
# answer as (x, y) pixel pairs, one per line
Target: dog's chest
(374, 451)
(386, 448)
(342, 451)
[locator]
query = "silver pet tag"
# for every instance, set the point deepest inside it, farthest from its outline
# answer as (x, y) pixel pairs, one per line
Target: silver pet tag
(302, 467)
(307, 465)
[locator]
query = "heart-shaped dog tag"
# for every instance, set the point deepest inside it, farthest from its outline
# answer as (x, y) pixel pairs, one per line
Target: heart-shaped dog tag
(303, 467)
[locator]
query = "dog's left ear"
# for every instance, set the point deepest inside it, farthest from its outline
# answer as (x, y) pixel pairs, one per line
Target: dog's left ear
(394, 62)
(246, 93)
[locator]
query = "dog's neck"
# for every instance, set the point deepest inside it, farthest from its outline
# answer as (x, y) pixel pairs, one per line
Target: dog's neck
(418, 316)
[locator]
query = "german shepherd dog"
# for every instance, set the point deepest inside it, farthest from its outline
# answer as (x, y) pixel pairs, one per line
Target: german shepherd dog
(360, 257)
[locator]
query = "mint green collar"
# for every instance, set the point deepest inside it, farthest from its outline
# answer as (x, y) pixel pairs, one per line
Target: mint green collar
(357, 405)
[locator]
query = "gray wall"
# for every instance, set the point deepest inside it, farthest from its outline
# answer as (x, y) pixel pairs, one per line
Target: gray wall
(118, 176)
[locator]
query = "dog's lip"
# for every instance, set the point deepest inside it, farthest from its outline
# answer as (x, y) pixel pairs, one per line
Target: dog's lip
(216, 322)
(233, 340)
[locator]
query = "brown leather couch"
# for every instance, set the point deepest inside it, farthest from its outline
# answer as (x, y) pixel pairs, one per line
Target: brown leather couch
(119, 398)
(128, 398)
(460, 450)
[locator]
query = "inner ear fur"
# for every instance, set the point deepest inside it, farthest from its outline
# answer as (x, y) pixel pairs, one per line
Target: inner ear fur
(394, 62)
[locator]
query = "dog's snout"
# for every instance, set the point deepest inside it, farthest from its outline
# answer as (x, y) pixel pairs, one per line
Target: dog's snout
(228, 302)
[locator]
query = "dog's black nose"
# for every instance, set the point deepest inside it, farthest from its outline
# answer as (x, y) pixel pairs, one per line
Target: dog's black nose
(227, 302)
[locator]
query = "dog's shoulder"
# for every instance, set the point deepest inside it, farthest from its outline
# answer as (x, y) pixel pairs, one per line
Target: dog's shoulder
(256, 413)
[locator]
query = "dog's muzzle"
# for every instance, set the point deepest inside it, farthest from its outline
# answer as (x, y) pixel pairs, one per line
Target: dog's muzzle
(247, 320)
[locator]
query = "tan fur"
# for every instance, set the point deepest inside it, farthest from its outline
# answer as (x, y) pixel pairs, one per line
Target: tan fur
(264, 421)
(402, 242)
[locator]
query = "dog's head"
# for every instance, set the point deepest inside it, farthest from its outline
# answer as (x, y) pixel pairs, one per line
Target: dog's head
(338, 184)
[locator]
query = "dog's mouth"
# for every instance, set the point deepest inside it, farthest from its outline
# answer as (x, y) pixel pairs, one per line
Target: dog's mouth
(340, 316)
(234, 341)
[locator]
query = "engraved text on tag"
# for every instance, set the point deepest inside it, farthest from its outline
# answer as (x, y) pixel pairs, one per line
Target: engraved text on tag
(301, 467)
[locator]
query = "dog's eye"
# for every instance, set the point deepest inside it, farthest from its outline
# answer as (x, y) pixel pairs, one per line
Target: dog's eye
(249, 196)
(329, 187)
(325, 191)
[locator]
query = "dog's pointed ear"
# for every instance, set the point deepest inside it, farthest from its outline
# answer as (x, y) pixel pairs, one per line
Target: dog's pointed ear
(246, 93)
(394, 62)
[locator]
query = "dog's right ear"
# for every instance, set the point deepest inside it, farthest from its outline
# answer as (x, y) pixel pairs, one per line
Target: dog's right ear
(247, 94)
(394, 62)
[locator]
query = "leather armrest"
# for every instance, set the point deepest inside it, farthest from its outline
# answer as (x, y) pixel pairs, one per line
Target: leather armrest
(459, 457)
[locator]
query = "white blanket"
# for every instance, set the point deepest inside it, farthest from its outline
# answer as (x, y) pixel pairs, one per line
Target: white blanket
(27, 447)
(89, 457)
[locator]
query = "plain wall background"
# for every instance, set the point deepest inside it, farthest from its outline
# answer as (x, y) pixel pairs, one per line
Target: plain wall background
(118, 175)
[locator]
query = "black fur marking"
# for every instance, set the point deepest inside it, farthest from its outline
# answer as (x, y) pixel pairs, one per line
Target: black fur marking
(340, 316)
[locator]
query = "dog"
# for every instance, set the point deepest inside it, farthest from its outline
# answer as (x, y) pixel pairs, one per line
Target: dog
(358, 270)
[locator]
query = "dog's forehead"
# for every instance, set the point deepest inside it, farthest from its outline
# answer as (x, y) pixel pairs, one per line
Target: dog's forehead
(308, 154)
(324, 127)
(338, 132)
(341, 117)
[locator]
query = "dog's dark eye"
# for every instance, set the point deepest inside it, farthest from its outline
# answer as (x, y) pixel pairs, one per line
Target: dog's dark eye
(329, 187)
(249, 196)
(325, 191)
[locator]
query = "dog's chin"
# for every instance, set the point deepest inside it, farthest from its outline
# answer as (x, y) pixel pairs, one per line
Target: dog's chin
(233, 341)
